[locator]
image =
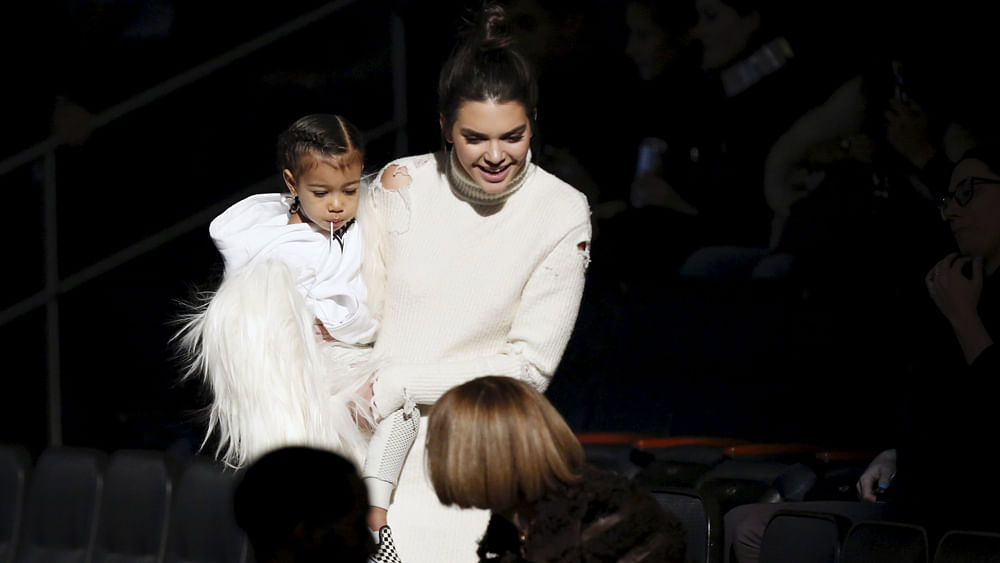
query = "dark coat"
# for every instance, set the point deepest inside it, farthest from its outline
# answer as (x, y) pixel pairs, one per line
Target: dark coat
(601, 517)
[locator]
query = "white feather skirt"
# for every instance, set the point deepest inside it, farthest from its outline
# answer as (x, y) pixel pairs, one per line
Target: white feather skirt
(273, 381)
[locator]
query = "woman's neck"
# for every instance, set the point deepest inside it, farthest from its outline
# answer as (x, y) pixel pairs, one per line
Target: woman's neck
(467, 189)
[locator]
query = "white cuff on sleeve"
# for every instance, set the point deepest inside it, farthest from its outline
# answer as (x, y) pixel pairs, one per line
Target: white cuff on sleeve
(379, 492)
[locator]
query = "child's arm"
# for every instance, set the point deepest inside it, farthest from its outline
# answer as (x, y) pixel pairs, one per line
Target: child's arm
(386, 452)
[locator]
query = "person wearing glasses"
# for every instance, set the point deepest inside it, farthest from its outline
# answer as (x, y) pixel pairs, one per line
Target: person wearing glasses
(937, 475)
(942, 482)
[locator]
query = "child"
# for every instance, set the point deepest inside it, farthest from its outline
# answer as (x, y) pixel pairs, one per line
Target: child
(284, 342)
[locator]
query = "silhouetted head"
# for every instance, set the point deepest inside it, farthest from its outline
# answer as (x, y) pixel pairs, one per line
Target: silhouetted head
(304, 505)
(730, 29)
(659, 34)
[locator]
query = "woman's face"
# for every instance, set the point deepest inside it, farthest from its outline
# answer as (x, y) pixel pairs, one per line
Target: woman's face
(976, 225)
(724, 34)
(648, 43)
(491, 141)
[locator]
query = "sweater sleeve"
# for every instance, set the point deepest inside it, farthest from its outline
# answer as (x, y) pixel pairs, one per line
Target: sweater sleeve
(535, 344)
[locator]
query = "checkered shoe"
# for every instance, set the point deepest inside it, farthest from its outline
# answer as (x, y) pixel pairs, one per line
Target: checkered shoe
(386, 552)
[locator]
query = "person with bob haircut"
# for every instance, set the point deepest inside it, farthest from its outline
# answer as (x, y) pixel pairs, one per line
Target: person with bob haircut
(496, 443)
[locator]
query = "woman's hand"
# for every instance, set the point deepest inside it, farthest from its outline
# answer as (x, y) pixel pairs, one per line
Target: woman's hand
(367, 391)
(878, 475)
(363, 411)
(955, 295)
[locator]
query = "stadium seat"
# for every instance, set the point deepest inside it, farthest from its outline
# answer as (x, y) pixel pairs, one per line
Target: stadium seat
(15, 467)
(687, 505)
(62, 506)
(678, 461)
(203, 527)
(967, 546)
(611, 450)
(135, 511)
(794, 536)
(891, 542)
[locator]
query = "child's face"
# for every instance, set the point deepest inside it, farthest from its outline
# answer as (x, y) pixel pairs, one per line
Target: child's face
(328, 189)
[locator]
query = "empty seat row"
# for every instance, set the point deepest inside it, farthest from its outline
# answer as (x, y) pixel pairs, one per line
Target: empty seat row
(130, 506)
(794, 536)
(700, 478)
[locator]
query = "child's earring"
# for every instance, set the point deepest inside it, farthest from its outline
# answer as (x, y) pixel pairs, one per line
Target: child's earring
(293, 208)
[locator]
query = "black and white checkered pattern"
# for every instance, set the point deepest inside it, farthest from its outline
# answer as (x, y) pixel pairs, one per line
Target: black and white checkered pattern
(386, 552)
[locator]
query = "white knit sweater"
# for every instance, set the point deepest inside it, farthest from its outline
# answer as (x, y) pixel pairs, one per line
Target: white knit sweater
(471, 290)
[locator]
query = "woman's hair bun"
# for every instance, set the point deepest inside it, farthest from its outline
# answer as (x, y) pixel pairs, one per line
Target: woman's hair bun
(493, 28)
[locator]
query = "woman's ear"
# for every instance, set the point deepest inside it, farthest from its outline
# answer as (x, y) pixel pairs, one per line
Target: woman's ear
(289, 179)
(445, 134)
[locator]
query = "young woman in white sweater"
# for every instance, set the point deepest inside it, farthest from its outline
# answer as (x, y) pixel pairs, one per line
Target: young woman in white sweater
(485, 257)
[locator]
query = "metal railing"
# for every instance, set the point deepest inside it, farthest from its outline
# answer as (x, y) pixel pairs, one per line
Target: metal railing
(45, 153)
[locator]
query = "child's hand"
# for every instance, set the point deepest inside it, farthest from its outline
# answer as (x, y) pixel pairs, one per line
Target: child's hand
(320, 331)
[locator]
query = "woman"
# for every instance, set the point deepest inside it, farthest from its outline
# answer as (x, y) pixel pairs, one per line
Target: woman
(766, 78)
(497, 443)
(943, 377)
(953, 402)
(485, 256)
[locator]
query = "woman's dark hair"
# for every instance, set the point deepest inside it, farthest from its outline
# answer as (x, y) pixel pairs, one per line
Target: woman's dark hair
(486, 66)
(324, 134)
(985, 150)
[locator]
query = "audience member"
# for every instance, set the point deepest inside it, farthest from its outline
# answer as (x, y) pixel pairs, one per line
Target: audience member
(566, 42)
(948, 367)
(764, 82)
(303, 505)
(952, 411)
(664, 118)
(856, 173)
(496, 443)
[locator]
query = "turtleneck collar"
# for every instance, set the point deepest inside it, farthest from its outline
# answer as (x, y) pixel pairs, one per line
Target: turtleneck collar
(468, 190)
(764, 61)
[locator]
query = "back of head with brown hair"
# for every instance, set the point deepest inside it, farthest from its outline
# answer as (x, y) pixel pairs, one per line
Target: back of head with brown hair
(495, 442)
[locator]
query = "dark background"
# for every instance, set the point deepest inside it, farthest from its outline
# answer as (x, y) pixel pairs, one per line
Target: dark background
(206, 143)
